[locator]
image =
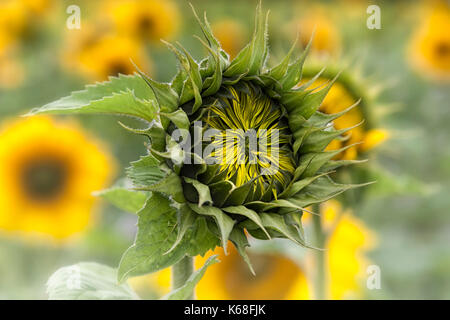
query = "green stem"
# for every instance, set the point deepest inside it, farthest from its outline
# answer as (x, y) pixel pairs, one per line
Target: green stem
(320, 275)
(181, 271)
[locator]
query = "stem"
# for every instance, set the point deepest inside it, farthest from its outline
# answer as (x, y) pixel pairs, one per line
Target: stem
(320, 275)
(181, 271)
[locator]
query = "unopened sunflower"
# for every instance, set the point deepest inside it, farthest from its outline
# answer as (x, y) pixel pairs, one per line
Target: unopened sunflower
(349, 90)
(47, 174)
(234, 146)
(429, 50)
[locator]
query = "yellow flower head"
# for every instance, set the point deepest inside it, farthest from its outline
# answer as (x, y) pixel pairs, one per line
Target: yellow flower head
(429, 50)
(99, 55)
(231, 35)
(147, 19)
(48, 171)
(277, 278)
(38, 6)
(326, 39)
(13, 21)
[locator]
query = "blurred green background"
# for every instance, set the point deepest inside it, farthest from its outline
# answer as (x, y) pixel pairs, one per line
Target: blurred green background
(408, 209)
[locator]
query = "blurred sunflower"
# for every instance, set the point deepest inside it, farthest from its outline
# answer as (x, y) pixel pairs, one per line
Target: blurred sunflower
(429, 50)
(277, 277)
(231, 35)
(98, 54)
(348, 241)
(145, 20)
(47, 174)
(38, 6)
(326, 41)
(11, 70)
(339, 98)
(13, 21)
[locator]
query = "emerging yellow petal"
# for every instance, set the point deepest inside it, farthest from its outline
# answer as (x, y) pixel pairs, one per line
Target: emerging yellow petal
(374, 138)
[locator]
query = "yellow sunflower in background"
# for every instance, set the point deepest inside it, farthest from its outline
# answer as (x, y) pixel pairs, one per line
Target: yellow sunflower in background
(277, 278)
(145, 19)
(38, 6)
(231, 35)
(429, 50)
(11, 70)
(96, 53)
(13, 21)
(48, 171)
(338, 99)
(349, 240)
(326, 41)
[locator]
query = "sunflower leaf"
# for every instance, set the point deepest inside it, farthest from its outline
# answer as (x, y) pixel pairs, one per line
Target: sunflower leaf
(100, 99)
(239, 240)
(145, 171)
(123, 197)
(87, 281)
(250, 214)
(155, 237)
(254, 55)
(204, 196)
(223, 221)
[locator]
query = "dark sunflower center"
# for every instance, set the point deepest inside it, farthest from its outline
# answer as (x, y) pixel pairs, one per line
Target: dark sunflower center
(118, 67)
(145, 24)
(442, 49)
(44, 179)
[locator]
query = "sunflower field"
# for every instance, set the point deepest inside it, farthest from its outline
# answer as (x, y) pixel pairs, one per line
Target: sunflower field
(224, 150)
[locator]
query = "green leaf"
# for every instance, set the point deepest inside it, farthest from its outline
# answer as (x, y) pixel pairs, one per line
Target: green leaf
(87, 281)
(212, 41)
(99, 99)
(145, 171)
(277, 222)
(166, 97)
(204, 195)
(185, 220)
(202, 239)
(223, 221)
(294, 71)
(179, 118)
(297, 186)
(251, 59)
(185, 291)
(250, 214)
(318, 140)
(239, 240)
(155, 237)
(170, 186)
(124, 198)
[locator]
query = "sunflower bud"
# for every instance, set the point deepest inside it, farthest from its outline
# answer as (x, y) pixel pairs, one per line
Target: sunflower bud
(235, 147)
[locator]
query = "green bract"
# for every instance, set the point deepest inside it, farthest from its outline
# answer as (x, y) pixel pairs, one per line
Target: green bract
(190, 208)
